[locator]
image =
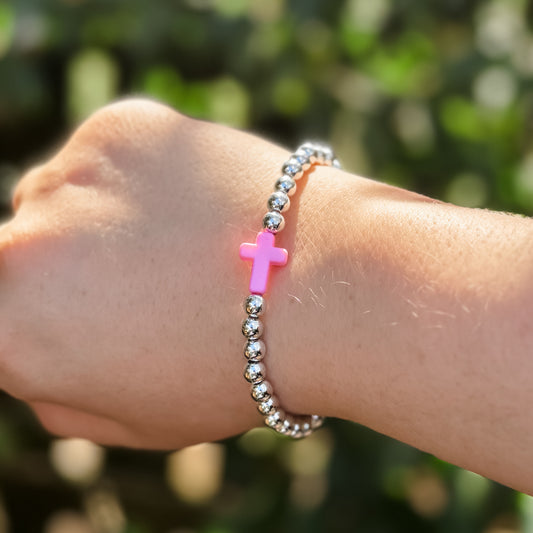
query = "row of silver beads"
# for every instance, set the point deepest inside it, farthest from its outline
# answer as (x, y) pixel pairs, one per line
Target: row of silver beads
(296, 426)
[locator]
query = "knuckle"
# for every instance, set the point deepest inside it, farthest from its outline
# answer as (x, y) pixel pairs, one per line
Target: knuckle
(129, 118)
(126, 140)
(28, 186)
(113, 135)
(41, 182)
(133, 106)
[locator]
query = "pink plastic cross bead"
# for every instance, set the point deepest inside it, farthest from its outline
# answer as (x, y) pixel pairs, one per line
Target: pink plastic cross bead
(263, 254)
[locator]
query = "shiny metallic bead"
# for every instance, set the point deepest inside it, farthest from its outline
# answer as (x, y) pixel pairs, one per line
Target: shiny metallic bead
(285, 428)
(296, 431)
(275, 420)
(279, 201)
(316, 421)
(268, 406)
(303, 157)
(300, 426)
(324, 155)
(309, 149)
(254, 372)
(254, 305)
(273, 221)
(336, 163)
(252, 328)
(254, 350)
(293, 169)
(327, 155)
(261, 391)
(306, 429)
(285, 184)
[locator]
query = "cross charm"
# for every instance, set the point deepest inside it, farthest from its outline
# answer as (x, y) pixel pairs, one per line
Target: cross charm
(263, 254)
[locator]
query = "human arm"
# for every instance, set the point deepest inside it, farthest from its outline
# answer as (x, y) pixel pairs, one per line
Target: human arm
(417, 324)
(121, 282)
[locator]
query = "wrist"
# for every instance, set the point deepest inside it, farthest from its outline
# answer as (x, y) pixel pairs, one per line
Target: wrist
(325, 325)
(303, 332)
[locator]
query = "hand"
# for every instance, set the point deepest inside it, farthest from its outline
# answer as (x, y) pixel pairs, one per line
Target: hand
(121, 282)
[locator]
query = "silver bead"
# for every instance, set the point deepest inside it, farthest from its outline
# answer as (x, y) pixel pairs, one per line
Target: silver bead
(275, 420)
(321, 155)
(336, 163)
(310, 150)
(252, 328)
(261, 391)
(254, 350)
(285, 184)
(326, 155)
(268, 406)
(273, 221)
(301, 427)
(316, 421)
(254, 372)
(306, 429)
(285, 428)
(279, 201)
(303, 157)
(293, 169)
(296, 431)
(254, 305)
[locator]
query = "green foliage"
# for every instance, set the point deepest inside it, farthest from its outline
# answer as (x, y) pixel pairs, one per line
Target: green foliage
(434, 96)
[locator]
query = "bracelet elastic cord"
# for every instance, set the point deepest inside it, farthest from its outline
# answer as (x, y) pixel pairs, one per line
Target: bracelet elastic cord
(263, 254)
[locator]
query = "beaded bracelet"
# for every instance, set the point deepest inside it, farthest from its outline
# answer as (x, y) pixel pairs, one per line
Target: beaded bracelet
(264, 254)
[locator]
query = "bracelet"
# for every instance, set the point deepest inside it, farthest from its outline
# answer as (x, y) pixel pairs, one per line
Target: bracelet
(263, 253)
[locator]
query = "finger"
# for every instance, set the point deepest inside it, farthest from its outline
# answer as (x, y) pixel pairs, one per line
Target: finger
(9, 376)
(8, 232)
(13, 232)
(68, 422)
(4, 239)
(27, 186)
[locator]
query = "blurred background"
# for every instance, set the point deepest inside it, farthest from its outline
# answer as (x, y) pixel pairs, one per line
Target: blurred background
(434, 96)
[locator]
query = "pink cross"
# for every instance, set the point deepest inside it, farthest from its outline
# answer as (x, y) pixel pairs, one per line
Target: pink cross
(263, 254)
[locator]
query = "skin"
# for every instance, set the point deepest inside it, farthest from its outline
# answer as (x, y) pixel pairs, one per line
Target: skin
(121, 287)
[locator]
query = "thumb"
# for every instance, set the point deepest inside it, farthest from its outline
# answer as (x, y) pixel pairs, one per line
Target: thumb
(9, 373)
(6, 238)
